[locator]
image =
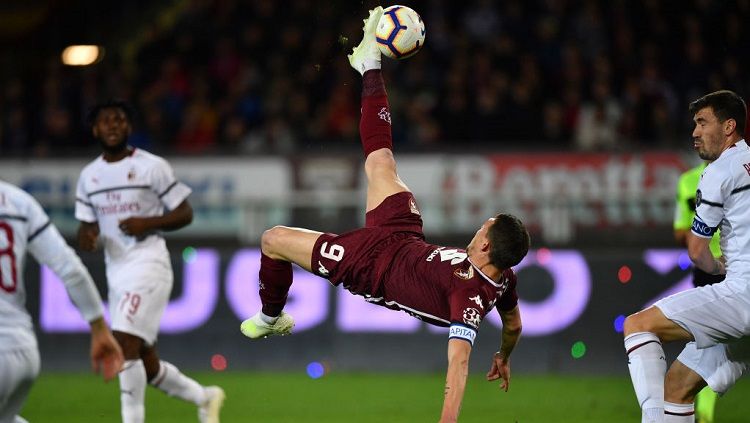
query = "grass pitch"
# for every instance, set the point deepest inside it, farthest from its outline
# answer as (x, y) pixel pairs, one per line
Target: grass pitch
(363, 398)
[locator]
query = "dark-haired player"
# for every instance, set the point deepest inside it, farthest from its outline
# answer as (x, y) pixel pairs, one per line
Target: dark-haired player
(713, 319)
(389, 263)
(120, 199)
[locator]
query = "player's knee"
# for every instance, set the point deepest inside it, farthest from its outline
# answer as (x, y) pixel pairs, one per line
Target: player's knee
(272, 239)
(637, 322)
(379, 162)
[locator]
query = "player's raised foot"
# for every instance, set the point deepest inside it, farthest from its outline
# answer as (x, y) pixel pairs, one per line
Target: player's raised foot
(366, 55)
(255, 327)
(208, 412)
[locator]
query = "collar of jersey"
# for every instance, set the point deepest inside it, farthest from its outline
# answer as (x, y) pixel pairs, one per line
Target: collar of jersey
(487, 278)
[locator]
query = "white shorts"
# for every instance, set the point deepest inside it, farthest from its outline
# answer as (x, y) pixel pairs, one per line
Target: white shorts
(18, 370)
(720, 365)
(137, 301)
(713, 314)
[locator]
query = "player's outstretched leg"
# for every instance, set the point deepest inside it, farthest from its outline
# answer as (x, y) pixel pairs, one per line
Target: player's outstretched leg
(280, 247)
(375, 122)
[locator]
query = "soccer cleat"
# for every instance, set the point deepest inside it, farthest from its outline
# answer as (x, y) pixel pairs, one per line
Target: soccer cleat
(209, 411)
(255, 327)
(366, 55)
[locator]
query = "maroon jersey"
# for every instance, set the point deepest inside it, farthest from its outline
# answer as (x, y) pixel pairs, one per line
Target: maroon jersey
(389, 263)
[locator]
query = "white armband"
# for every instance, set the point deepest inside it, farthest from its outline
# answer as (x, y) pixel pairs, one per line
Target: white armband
(466, 333)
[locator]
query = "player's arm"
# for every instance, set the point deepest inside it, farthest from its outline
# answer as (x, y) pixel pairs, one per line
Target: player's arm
(48, 247)
(500, 368)
(177, 218)
(700, 254)
(455, 381)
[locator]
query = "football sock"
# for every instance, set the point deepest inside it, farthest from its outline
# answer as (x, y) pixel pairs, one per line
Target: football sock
(275, 280)
(678, 413)
(175, 384)
(375, 123)
(132, 391)
(268, 319)
(647, 366)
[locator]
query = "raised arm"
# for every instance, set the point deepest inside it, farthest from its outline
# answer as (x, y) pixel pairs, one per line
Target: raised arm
(500, 367)
(455, 381)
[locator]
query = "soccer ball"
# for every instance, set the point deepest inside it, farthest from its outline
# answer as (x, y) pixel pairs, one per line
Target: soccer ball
(400, 32)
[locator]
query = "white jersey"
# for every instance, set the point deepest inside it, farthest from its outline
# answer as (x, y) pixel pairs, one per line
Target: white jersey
(140, 185)
(24, 226)
(723, 202)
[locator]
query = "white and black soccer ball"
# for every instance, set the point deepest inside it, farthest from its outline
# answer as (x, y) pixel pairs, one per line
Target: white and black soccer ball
(400, 32)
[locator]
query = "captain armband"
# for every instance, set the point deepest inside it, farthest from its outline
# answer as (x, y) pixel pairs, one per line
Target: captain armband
(462, 332)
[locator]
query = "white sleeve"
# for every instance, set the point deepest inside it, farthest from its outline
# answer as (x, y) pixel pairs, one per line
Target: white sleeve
(49, 248)
(709, 201)
(84, 208)
(171, 192)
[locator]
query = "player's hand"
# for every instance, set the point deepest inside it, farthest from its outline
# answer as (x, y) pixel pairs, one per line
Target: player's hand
(106, 354)
(88, 234)
(134, 226)
(500, 369)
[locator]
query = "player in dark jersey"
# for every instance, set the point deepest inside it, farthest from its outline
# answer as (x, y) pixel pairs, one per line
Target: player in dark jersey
(389, 263)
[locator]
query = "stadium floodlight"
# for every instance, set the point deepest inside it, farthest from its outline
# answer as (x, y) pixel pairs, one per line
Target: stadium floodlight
(82, 55)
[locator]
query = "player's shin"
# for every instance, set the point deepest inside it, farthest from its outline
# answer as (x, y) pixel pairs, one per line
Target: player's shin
(375, 122)
(275, 281)
(175, 384)
(132, 391)
(647, 366)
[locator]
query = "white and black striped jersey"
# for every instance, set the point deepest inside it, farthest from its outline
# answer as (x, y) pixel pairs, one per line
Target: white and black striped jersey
(25, 227)
(723, 202)
(140, 185)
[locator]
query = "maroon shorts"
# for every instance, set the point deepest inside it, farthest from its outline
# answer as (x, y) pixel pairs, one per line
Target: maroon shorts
(358, 258)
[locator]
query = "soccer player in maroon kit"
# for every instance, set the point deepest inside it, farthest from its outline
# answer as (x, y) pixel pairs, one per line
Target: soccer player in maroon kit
(389, 263)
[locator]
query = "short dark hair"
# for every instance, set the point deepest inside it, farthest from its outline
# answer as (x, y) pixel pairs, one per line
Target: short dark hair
(112, 103)
(726, 105)
(509, 241)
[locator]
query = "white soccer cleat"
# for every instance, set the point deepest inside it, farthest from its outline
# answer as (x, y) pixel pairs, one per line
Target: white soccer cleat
(209, 411)
(255, 327)
(366, 55)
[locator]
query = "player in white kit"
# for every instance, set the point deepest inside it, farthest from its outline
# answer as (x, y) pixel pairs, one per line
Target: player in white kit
(121, 199)
(24, 226)
(715, 319)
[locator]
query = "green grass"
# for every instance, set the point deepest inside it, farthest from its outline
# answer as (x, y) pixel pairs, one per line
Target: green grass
(363, 398)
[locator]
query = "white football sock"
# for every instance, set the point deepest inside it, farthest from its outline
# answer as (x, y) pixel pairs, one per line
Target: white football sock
(268, 319)
(175, 384)
(132, 391)
(679, 413)
(647, 366)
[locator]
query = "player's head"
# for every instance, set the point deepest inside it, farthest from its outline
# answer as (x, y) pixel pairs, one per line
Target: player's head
(503, 239)
(720, 119)
(111, 124)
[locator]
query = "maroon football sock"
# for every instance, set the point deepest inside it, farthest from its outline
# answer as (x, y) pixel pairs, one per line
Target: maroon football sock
(275, 280)
(375, 122)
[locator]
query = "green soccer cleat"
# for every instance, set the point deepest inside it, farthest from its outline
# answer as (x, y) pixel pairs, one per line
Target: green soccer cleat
(208, 412)
(366, 55)
(255, 327)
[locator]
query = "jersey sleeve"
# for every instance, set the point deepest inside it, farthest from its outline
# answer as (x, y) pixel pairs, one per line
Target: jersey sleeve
(467, 312)
(509, 300)
(84, 209)
(171, 192)
(709, 201)
(49, 248)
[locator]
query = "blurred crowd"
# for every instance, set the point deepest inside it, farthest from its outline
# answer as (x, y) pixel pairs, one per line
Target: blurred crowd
(265, 76)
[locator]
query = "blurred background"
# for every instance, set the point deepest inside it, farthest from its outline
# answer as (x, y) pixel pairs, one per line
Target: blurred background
(571, 114)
